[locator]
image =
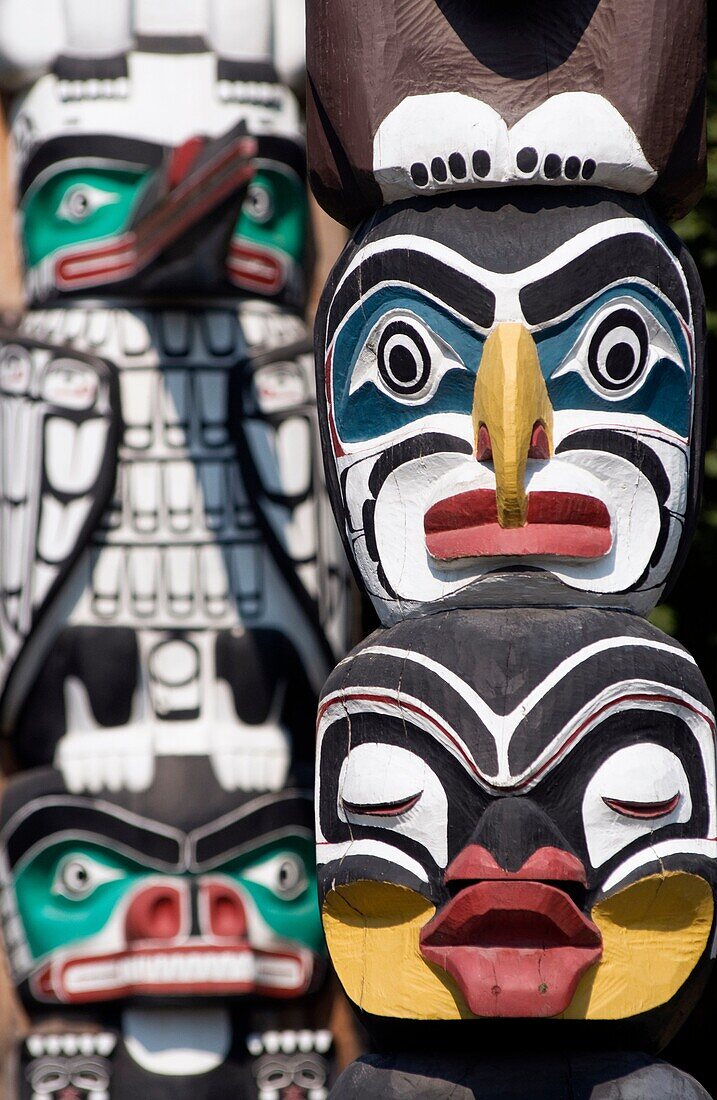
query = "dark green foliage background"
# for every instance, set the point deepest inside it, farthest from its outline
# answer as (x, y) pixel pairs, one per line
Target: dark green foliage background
(690, 612)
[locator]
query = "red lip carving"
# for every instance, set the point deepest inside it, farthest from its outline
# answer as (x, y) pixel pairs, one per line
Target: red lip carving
(515, 948)
(252, 267)
(568, 525)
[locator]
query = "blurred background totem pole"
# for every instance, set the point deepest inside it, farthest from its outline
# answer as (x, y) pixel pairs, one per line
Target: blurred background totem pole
(516, 799)
(172, 592)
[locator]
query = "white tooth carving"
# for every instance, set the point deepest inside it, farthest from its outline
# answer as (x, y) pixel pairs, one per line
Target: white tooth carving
(448, 140)
(60, 525)
(205, 968)
(74, 453)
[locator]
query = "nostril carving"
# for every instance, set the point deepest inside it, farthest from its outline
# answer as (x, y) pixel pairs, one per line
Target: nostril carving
(154, 914)
(484, 447)
(226, 912)
(539, 442)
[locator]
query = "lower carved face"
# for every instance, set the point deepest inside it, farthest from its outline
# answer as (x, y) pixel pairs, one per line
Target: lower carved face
(104, 902)
(512, 385)
(513, 829)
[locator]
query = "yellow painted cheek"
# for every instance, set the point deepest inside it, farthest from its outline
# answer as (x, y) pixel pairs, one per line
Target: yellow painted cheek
(372, 930)
(654, 934)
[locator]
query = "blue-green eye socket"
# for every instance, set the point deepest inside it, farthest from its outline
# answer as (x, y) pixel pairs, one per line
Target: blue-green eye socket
(404, 359)
(616, 352)
(284, 874)
(81, 200)
(78, 875)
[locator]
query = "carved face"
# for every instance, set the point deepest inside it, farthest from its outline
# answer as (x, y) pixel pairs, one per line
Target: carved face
(512, 386)
(68, 1066)
(101, 210)
(159, 894)
(582, 94)
(513, 829)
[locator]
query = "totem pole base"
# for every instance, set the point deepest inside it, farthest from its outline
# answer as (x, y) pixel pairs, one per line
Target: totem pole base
(590, 1076)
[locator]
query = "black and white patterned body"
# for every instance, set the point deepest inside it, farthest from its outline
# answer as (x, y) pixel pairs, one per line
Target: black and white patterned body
(185, 562)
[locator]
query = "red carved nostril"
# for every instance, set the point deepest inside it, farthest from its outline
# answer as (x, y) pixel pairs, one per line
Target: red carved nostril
(154, 914)
(484, 447)
(539, 442)
(227, 917)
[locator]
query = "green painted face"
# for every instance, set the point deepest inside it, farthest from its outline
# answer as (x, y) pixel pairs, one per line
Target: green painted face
(275, 214)
(68, 892)
(78, 206)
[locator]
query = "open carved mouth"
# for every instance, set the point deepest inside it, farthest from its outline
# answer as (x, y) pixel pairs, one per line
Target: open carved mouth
(569, 525)
(254, 268)
(515, 948)
(201, 970)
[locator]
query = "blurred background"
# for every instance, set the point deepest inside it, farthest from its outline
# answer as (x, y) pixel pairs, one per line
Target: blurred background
(687, 612)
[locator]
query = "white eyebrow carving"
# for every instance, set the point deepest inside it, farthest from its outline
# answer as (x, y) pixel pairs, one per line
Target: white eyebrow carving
(624, 695)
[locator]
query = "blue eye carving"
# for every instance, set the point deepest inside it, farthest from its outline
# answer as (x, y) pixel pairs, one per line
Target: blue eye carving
(404, 359)
(617, 350)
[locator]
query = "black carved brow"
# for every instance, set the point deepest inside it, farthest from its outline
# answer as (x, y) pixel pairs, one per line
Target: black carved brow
(631, 255)
(292, 810)
(143, 841)
(462, 293)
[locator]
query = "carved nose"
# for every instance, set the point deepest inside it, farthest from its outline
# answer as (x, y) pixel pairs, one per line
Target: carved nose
(154, 914)
(512, 416)
(223, 910)
(475, 863)
(516, 839)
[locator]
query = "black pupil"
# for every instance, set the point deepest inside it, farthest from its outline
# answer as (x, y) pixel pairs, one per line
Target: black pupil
(619, 350)
(620, 362)
(403, 365)
(404, 361)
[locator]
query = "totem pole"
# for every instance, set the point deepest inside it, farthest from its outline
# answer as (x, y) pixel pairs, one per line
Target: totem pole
(516, 781)
(173, 593)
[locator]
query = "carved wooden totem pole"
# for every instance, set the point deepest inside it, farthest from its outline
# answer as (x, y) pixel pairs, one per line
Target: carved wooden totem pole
(516, 789)
(173, 594)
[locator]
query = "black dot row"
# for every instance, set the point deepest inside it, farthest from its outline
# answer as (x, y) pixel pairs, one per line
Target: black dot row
(572, 168)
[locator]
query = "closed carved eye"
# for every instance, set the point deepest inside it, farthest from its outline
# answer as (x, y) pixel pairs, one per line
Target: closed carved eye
(379, 786)
(643, 810)
(382, 809)
(636, 791)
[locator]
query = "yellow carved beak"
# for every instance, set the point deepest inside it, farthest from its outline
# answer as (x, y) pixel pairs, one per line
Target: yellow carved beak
(512, 416)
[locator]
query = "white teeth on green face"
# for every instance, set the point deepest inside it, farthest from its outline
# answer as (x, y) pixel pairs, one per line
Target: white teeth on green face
(184, 967)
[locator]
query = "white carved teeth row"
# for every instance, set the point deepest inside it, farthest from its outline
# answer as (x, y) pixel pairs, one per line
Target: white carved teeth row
(100, 1043)
(289, 1042)
(220, 968)
(116, 88)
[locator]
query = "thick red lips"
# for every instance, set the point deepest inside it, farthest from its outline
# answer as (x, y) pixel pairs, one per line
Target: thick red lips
(515, 948)
(568, 525)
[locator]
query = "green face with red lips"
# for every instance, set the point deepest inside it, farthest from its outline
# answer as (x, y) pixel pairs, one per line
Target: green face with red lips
(107, 914)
